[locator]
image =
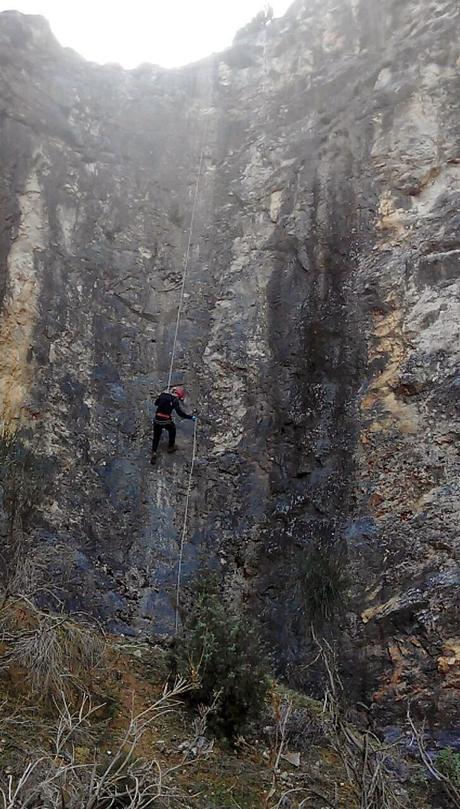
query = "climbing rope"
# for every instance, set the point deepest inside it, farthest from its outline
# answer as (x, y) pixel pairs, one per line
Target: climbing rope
(171, 367)
(185, 270)
(184, 528)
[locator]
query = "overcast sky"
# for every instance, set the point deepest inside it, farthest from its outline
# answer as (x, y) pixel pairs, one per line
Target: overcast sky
(165, 32)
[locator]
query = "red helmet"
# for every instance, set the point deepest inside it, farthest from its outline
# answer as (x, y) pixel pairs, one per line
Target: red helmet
(178, 391)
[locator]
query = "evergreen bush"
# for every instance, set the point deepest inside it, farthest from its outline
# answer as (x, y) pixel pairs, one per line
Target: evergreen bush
(220, 651)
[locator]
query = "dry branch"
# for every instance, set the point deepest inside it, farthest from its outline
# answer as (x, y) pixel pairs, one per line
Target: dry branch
(449, 788)
(364, 758)
(56, 780)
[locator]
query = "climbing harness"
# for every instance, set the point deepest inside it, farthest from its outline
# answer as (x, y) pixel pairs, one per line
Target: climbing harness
(171, 367)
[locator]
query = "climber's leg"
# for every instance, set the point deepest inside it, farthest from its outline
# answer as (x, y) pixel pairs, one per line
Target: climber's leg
(171, 428)
(157, 429)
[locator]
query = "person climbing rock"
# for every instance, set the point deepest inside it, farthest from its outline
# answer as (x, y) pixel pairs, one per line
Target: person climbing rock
(166, 403)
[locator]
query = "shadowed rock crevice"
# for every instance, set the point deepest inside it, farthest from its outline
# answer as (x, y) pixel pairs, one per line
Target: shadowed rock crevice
(318, 363)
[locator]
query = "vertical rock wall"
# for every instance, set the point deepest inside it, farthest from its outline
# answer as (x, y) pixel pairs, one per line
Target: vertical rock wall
(319, 338)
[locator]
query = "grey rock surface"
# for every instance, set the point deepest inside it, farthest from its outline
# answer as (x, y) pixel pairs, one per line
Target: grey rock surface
(319, 338)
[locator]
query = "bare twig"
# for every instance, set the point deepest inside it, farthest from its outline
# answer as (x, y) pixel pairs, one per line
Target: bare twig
(449, 788)
(281, 726)
(362, 755)
(56, 780)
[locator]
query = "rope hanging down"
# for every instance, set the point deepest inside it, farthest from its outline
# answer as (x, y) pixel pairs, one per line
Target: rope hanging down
(171, 367)
(184, 274)
(184, 529)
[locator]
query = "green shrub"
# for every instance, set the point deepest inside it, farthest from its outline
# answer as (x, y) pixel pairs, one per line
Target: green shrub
(324, 582)
(220, 651)
(448, 763)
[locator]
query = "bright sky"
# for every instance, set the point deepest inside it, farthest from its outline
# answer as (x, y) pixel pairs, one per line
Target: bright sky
(165, 32)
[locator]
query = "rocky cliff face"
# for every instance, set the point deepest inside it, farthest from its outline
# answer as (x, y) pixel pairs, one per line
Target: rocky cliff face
(319, 338)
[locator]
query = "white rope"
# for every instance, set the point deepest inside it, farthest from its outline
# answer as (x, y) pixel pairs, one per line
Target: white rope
(184, 527)
(171, 367)
(264, 51)
(184, 274)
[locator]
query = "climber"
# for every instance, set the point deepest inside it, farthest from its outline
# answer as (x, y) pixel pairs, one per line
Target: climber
(166, 402)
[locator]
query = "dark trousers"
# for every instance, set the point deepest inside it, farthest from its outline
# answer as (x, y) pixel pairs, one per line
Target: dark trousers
(158, 429)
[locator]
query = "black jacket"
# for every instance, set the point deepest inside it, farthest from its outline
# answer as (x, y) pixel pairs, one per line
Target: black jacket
(165, 405)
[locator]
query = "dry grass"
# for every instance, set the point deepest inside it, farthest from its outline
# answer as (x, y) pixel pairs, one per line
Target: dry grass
(56, 654)
(56, 777)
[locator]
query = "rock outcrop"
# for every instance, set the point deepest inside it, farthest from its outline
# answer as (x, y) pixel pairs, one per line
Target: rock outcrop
(319, 338)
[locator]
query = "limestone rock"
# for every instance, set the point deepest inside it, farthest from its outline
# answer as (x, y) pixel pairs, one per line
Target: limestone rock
(319, 338)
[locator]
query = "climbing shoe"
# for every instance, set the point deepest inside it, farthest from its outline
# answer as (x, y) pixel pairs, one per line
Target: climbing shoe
(153, 459)
(172, 449)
